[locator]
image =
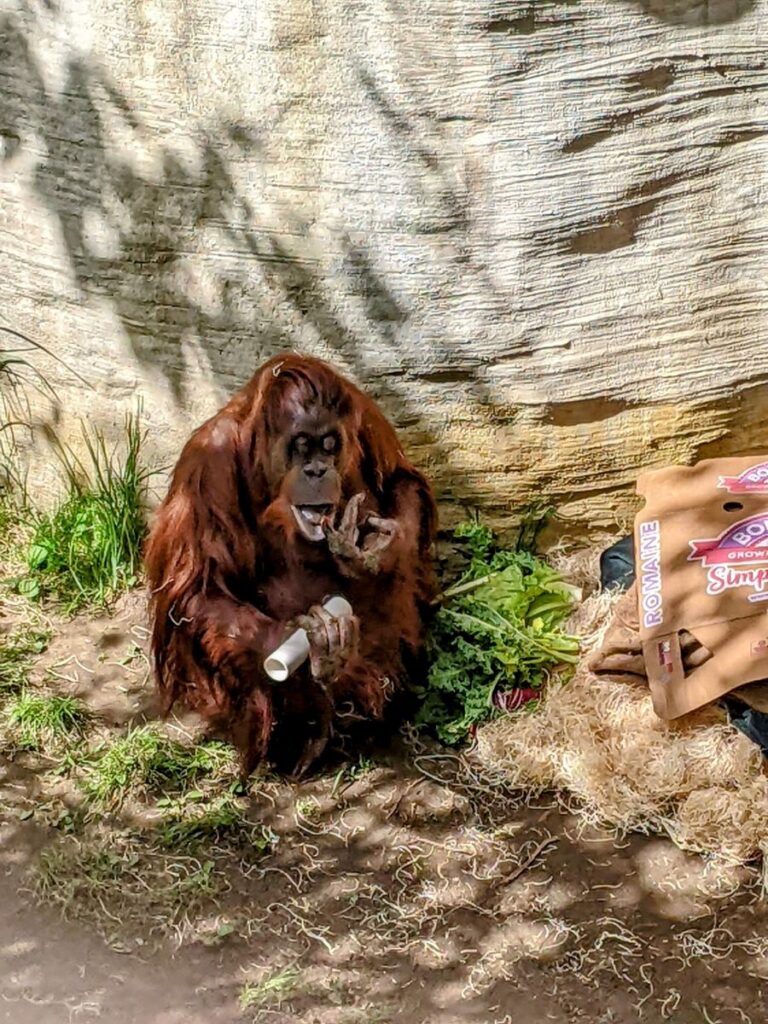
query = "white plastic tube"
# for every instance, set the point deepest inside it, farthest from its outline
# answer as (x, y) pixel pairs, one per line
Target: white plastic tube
(295, 650)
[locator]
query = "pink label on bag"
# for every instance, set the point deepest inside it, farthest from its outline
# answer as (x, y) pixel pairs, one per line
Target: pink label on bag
(751, 481)
(733, 558)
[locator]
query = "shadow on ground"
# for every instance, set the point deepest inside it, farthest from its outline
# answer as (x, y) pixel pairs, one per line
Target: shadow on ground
(409, 885)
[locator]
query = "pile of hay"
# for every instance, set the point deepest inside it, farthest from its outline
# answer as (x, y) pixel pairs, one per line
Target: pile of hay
(597, 739)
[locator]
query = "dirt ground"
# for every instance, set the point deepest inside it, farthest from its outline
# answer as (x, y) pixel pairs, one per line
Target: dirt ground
(415, 888)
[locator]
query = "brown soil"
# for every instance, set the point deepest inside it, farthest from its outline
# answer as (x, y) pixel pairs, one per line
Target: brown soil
(418, 892)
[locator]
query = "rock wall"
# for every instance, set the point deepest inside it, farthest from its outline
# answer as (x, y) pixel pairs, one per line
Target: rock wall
(536, 231)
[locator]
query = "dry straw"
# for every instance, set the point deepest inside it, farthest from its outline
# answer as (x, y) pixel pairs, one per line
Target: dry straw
(598, 742)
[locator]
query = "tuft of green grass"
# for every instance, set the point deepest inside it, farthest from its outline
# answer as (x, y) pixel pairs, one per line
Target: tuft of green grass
(18, 650)
(37, 720)
(18, 376)
(88, 549)
(145, 760)
(273, 990)
(221, 822)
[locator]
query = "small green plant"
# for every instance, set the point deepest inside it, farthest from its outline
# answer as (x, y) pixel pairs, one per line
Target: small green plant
(145, 760)
(350, 773)
(362, 766)
(499, 626)
(308, 807)
(274, 990)
(37, 720)
(187, 827)
(88, 549)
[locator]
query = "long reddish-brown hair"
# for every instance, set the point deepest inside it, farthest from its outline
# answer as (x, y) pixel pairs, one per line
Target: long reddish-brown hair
(206, 555)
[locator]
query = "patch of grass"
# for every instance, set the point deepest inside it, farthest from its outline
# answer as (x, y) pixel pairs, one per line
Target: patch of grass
(88, 549)
(222, 822)
(38, 720)
(18, 376)
(157, 881)
(18, 649)
(145, 760)
(124, 887)
(273, 990)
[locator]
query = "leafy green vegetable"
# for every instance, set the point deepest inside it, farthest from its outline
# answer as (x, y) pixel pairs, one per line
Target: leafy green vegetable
(499, 627)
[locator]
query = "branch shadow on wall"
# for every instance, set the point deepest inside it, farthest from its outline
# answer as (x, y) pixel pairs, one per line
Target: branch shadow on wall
(178, 249)
(127, 235)
(188, 262)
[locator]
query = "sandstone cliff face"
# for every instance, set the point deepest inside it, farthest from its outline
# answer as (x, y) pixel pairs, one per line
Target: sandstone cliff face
(535, 230)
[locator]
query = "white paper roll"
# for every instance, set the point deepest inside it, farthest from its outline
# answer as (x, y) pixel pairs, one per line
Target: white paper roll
(295, 650)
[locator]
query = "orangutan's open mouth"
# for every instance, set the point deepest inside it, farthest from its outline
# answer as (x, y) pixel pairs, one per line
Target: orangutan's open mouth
(310, 520)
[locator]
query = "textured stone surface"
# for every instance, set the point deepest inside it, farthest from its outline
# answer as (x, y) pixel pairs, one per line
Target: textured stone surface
(537, 232)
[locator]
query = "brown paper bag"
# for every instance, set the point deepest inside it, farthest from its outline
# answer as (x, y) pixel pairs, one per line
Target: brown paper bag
(701, 552)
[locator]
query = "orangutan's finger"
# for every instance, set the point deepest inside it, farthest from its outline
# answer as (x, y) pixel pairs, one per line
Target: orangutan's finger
(318, 634)
(385, 526)
(309, 623)
(354, 632)
(312, 751)
(350, 519)
(377, 543)
(330, 627)
(348, 628)
(341, 544)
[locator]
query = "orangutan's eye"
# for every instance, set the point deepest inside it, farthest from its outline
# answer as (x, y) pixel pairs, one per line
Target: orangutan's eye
(330, 443)
(301, 444)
